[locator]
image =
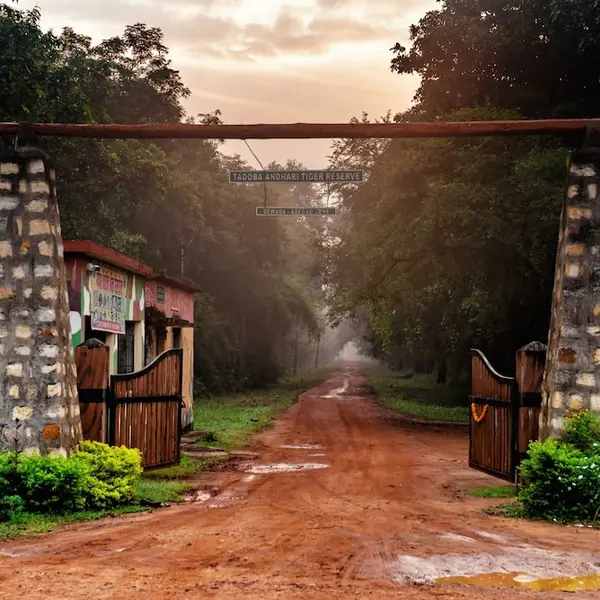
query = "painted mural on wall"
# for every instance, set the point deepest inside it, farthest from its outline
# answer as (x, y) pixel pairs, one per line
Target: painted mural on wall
(89, 294)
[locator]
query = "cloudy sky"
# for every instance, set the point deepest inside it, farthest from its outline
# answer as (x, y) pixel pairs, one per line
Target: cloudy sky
(269, 61)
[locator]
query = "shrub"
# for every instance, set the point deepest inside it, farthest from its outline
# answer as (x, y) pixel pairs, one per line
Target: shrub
(111, 474)
(9, 506)
(49, 484)
(562, 482)
(582, 430)
(96, 476)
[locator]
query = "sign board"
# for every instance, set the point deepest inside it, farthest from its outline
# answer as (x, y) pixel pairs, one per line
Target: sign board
(291, 177)
(108, 307)
(294, 211)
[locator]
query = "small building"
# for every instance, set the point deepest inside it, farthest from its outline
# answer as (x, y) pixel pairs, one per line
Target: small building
(136, 312)
(169, 323)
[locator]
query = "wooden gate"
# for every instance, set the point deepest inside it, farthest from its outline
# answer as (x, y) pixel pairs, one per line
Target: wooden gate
(138, 410)
(494, 420)
(92, 387)
(145, 409)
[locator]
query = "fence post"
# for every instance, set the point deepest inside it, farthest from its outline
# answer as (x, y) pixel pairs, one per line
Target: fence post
(39, 408)
(530, 364)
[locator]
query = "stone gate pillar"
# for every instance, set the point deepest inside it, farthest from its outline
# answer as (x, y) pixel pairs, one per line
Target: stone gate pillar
(39, 407)
(572, 374)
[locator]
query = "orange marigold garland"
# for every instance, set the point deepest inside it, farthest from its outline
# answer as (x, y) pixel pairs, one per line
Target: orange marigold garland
(478, 418)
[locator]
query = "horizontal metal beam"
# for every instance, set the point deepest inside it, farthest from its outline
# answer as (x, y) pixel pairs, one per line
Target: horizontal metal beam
(304, 130)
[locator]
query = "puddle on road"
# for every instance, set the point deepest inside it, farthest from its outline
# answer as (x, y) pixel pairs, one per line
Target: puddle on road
(285, 467)
(454, 537)
(302, 447)
(532, 567)
(491, 536)
(526, 581)
(341, 390)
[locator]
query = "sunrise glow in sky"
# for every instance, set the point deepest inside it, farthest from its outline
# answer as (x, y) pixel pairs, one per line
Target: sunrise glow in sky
(270, 61)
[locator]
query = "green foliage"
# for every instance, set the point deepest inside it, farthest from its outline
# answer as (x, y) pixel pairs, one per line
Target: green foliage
(582, 430)
(162, 491)
(418, 396)
(95, 477)
(51, 484)
(10, 506)
(507, 491)
(526, 56)
(562, 483)
(40, 484)
(111, 474)
(27, 524)
(418, 249)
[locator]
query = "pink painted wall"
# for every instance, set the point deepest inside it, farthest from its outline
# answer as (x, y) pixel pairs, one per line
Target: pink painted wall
(177, 302)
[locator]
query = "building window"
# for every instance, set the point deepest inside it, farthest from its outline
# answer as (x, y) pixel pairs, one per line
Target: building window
(126, 349)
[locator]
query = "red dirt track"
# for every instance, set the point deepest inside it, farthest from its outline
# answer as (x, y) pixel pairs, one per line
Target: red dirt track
(391, 489)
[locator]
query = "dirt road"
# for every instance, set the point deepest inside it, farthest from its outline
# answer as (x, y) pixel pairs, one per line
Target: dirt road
(384, 518)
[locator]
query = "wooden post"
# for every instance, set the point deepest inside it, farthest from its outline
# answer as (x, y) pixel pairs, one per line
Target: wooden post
(92, 359)
(531, 360)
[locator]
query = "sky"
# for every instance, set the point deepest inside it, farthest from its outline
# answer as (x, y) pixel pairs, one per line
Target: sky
(269, 61)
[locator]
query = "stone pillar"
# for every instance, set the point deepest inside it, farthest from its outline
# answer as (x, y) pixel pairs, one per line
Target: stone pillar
(39, 407)
(572, 374)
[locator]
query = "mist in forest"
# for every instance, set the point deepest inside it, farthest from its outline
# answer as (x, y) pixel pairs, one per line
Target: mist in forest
(351, 353)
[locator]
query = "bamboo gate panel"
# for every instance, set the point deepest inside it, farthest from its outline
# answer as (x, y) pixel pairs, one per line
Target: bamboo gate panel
(146, 409)
(493, 422)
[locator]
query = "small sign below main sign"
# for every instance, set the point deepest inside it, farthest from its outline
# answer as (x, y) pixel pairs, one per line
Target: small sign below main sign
(291, 177)
(294, 211)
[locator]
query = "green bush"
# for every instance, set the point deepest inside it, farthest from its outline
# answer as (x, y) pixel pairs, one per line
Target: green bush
(95, 477)
(9, 501)
(111, 474)
(50, 484)
(562, 483)
(582, 430)
(10, 506)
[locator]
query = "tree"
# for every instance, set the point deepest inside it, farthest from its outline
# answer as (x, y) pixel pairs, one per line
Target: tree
(451, 244)
(538, 57)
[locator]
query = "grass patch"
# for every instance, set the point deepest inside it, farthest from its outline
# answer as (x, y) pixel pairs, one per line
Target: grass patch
(27, 524)
(187, 468)
(506, 491)
(157, 486)
(163, 491)
(511, 510)
(233, 419)
(418, 396)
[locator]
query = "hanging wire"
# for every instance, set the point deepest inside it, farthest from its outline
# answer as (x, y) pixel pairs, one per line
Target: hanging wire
(261, 166)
